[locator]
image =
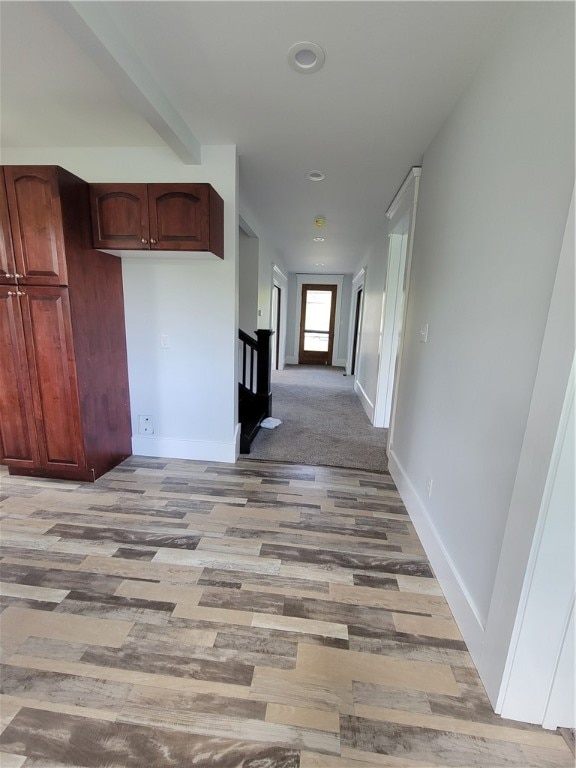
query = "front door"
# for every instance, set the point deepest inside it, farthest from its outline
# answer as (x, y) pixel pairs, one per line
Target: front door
(317, 324)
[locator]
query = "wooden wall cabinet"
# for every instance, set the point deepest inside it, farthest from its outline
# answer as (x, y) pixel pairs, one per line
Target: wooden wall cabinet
(64, 399)
(157, 217)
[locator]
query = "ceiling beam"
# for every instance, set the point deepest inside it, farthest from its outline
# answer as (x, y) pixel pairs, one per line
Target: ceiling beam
(93, 28)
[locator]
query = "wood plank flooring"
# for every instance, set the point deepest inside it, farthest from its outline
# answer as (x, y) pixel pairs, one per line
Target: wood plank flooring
(257, 615)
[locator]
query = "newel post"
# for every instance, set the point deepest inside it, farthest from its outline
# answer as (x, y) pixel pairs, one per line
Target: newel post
(264, 368)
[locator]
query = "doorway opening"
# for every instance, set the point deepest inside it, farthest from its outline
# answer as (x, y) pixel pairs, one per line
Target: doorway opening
(275, 317)
(318, 312)
(356, 337)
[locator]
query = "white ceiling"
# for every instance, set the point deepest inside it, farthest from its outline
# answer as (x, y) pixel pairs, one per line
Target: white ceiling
(393, 72)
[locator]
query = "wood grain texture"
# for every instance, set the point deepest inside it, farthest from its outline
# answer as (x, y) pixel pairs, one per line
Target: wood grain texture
(189, 613)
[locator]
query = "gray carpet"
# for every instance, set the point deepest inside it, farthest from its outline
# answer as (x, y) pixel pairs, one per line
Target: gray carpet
(323, 422)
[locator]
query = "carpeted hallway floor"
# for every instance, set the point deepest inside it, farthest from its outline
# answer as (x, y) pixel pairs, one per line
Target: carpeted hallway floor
(323, 422)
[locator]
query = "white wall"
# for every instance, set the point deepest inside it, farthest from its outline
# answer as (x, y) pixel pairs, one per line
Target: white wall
(269, 258)
(190, 388)
(248, 248)
(493, 201)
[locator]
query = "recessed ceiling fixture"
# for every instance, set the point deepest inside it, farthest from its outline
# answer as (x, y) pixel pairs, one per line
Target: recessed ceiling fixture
(318, 239)
(320, 264)
(316, 176)
(306, 57)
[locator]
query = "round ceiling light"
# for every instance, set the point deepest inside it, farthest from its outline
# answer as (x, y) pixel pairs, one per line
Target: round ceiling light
(318, 239)
(315, 176)
(306, 57)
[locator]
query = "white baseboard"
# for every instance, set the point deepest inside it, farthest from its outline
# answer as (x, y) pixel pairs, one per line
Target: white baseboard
(367, 404)
(459, 600)
(339, 363)
(198, 450)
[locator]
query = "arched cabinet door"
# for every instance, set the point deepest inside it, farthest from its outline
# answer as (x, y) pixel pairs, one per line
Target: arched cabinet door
(179, 217)
(120, 216)
(7, 265)
(18, 441)
(36, 222)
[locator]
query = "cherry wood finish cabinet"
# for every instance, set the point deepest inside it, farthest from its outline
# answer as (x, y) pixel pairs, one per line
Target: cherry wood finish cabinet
(161, 217)
(64, 400)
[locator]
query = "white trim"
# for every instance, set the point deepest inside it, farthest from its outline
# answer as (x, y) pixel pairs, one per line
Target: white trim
(359, 278)
(367, 404)
(237, 434)
(246, 228)
(512, 700)
(291, 361)
(198, 450)
(413, 174)
(339, 362)
(280, 280)
(465, 612)
(390, 326)
(559, 712)
(277, 273)
(304, 279)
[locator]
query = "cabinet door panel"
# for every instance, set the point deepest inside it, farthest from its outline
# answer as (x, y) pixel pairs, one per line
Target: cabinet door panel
(7, 267)
(179, 217)
(18, 444)
(36, 219)
(46, 317)
(119, 216)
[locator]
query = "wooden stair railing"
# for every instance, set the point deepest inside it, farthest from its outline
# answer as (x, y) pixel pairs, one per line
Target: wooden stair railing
(254, 386)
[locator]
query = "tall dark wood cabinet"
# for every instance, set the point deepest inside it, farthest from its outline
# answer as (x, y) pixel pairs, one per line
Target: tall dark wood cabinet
(64, 400)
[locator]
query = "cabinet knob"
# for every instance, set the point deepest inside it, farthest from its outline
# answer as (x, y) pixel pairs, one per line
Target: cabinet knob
(20, 293)
(17, 276)
(11, 293)
(153, 242)
(7, 275)
(144, 241)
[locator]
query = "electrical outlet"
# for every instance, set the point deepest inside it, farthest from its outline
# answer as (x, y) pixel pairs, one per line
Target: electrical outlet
(145, 425)
(429, 483)
(165, 341)
(423, 338)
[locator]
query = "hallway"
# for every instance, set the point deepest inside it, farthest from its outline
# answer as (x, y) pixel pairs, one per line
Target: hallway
(323, 422)
(180, 613)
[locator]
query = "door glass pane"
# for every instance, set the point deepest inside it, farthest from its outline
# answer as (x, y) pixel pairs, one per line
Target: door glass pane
(315, 342)
(317, 317)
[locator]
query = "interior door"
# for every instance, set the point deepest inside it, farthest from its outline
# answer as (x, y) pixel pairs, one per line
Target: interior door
(317, 324)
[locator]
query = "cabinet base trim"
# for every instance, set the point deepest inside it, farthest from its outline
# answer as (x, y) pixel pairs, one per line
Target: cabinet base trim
(163, 255)
(63, 473)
